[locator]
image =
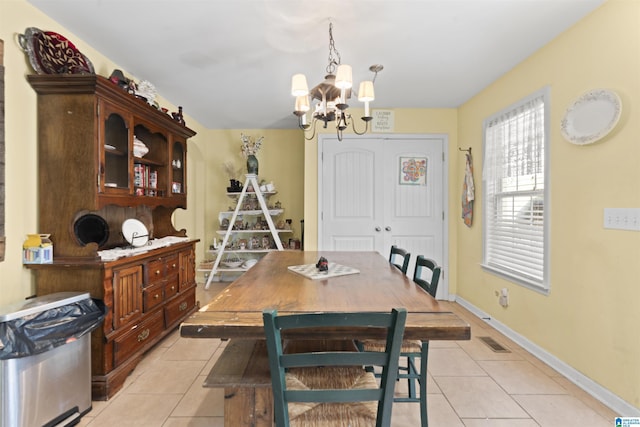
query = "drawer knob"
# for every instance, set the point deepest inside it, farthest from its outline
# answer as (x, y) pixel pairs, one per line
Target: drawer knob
(157, 272)
(143, 335)
(183, 306)
(173, 266)
(156, 296)
(173, 287)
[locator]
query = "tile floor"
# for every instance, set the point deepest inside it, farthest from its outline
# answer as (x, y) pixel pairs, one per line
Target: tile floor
(469, 385)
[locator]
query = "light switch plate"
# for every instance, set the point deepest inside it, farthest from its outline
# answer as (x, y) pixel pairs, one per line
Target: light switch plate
(622, 218)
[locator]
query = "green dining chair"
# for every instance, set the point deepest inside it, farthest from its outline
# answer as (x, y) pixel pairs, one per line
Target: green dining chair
(426, 275)
(332, 387)
(400, 258)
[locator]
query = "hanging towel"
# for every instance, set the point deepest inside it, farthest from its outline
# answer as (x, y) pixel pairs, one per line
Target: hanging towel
(468, 192)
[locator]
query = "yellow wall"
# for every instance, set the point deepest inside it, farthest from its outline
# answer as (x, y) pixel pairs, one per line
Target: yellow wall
(589, 319)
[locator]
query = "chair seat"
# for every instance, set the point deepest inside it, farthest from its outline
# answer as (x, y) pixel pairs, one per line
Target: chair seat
(314, 414)
(408, 346)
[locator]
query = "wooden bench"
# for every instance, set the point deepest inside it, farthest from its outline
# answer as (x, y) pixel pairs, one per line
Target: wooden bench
(243, 371)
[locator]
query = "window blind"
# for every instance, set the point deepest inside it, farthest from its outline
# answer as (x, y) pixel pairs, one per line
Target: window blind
(514, 189)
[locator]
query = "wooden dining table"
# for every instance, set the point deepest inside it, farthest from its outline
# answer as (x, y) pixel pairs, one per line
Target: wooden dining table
(289, 282)
(378, 286)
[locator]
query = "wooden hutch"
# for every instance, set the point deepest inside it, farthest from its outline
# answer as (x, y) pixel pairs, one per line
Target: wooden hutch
(87, 188)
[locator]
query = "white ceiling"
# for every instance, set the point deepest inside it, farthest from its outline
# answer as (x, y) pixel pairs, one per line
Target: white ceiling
(229, 63)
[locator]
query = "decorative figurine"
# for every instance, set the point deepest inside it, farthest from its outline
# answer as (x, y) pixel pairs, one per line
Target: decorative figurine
(323, 264)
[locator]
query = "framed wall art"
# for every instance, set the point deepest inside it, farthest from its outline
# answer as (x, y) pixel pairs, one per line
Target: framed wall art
(413, 171)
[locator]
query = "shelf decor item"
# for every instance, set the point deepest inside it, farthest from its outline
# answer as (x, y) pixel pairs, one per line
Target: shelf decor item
(52, 53)
(250, 148)
(252, 164)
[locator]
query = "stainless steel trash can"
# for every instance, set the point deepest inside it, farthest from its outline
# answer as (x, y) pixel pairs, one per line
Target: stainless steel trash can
(45, 376)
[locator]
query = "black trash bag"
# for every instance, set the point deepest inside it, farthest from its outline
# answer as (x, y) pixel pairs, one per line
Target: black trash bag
(46, 330)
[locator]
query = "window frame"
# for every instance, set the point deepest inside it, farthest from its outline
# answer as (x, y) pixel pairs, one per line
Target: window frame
(543, 286)
(2, 157)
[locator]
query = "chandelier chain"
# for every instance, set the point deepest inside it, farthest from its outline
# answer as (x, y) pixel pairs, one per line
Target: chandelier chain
(331, 68)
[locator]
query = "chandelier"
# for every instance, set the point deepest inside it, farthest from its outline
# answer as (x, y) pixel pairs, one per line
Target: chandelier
(331, 96)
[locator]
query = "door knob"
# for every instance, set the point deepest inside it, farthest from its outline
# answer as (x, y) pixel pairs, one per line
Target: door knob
(378, 229)
(387, 228)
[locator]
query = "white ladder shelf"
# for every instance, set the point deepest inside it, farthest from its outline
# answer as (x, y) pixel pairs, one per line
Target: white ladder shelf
(251, 179)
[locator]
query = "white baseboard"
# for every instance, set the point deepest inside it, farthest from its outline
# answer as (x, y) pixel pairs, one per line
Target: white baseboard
(618, 405)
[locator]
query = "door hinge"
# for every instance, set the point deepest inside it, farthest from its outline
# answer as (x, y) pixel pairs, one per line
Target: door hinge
(443, 156)
(443, 215)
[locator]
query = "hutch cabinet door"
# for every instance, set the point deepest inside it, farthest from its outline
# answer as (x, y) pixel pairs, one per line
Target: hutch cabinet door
(115, 141)
(127, 295)
(187, 273)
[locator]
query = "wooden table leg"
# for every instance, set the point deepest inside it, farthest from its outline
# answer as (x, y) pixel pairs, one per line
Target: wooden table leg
(248, 407)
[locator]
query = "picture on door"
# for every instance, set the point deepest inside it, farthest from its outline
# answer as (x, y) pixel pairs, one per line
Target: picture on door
(413, 171)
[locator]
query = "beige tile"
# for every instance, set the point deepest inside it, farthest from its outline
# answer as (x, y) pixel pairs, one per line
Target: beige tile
(214, 358)
(194, 422)
(199, 401)
(443, 344)
(452, 362)
(191, 349)
(479, 397)
(137, 410)
(148, 360)
(405, 414)
(170, 339)
(586, 398)
(166, 377)
(500, 422)
(548, 370)
(440, 412)
(521, 377)
(84, 421)
(554, 410)
(97, 407)
(402, 386)
(478, 350)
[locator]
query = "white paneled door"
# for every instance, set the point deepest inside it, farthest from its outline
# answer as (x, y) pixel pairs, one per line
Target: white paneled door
(376, 192)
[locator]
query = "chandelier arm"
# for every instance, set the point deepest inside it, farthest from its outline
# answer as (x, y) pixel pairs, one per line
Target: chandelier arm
(313, 124)
(366, 127)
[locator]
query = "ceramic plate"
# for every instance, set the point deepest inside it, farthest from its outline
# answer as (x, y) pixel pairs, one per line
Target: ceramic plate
(591, 117)
(135, 232)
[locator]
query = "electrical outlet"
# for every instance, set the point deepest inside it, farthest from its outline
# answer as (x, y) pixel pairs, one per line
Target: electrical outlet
(504, 297)
(622, 218)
